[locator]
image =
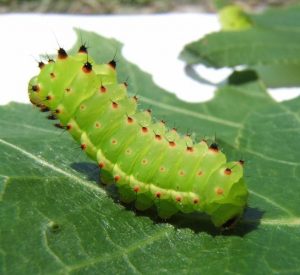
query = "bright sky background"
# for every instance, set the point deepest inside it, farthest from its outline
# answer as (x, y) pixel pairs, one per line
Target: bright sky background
(153, 42)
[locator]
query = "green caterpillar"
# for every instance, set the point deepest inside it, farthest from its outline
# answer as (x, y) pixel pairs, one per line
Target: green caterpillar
(149, 164)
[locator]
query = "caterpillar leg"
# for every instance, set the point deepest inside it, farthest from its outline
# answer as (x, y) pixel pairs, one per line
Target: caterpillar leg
(165, 208)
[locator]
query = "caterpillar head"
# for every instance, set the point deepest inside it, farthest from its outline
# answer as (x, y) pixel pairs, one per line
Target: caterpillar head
(52, 85)
(33, 91)
(226, 199)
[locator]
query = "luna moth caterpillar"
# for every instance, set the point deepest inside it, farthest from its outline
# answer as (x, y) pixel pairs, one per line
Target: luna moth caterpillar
(150, 164)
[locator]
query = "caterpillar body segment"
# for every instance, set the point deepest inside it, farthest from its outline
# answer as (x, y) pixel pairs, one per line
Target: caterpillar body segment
(150, 164)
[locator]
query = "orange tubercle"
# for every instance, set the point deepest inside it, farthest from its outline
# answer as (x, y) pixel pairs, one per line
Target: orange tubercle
(219, 191)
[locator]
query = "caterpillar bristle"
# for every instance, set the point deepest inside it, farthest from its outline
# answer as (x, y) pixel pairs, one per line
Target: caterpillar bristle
(44, 109)
(129, 119)
(115, 105)
(60, 126)
(190, 149)
(172, 143)
(214, 147)
(144, 129)
(158, 137)
(49, 59)
(227, 171)
(52, 117)
(113, 63)
(61, 54)
(41, 64)
(87, 67)
(103, 89)
(83, 49)
(204, 140)
(35, 88)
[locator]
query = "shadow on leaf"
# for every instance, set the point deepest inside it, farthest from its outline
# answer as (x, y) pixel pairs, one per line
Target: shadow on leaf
(198, 222)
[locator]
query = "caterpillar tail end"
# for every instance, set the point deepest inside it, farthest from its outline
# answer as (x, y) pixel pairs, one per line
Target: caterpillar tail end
(228, 210)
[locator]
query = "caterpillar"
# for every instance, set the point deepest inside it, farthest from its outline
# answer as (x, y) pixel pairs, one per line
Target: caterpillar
(150, 164)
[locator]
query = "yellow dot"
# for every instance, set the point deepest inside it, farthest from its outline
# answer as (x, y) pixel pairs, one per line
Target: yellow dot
(219, 191)
(97, 125)
(162, 169)
(144, 161)
(181, 173)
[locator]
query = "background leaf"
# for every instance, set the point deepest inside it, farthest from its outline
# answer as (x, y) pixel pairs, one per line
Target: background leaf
(271, 47)
(284, 18)
(56, 218)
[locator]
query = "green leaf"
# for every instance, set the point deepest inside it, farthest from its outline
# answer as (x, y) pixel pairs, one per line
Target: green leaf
(271, 47)
(56, 218)
(251, 47)
(284, 18)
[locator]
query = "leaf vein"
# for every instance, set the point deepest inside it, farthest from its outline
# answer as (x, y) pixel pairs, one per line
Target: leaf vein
(53, 167)
(191, 113)
(125, 251)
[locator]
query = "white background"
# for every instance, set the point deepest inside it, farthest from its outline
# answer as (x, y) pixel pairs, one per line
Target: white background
(153, 42)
